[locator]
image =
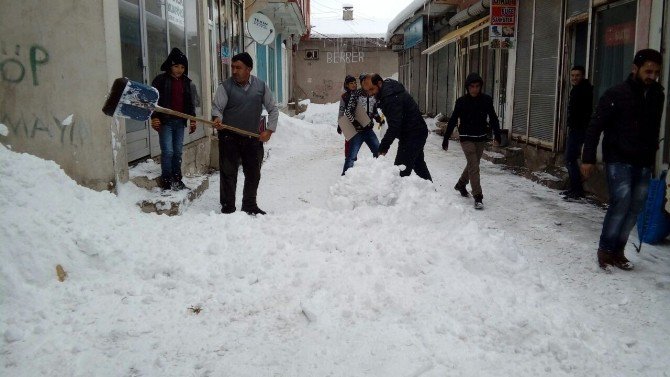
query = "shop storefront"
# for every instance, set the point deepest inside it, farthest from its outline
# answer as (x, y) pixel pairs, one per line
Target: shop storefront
(474, 55)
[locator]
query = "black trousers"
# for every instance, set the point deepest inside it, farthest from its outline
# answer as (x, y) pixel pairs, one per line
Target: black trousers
(234, 148)
(410, 154)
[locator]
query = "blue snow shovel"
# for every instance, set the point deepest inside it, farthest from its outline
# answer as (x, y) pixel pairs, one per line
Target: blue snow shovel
(130, 99)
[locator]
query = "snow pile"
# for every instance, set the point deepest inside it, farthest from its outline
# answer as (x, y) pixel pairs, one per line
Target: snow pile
(321, 113)
(148, 168)
(296, 133)
(389, 277)
(4, 131)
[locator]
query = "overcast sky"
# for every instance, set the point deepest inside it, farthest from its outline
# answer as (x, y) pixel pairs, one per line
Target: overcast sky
(370, 9)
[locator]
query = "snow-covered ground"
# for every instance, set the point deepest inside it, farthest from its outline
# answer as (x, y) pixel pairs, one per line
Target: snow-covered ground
(362, 275)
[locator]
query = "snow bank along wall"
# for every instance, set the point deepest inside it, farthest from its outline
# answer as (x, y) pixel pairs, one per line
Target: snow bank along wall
(57, 61)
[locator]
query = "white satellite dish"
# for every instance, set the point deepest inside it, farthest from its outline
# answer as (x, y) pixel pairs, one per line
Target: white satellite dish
(261, 28)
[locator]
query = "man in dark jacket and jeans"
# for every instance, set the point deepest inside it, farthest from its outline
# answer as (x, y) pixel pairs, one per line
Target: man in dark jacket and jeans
(475, 110)
(404, 123)
(580, 106)
(630, 116)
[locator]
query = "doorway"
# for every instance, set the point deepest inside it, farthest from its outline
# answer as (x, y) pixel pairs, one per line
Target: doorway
(149, 30)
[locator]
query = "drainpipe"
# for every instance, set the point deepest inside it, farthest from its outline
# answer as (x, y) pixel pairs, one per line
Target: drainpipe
(427, 57)
(472, 11)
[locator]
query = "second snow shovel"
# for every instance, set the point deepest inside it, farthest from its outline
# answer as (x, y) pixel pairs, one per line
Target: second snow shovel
(130, 99)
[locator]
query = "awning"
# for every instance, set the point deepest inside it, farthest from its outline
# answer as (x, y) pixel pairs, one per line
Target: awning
(454, 35)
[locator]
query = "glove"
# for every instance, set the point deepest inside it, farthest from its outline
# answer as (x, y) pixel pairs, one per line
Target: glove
(445, 144)
(339, 130)
(357, 124)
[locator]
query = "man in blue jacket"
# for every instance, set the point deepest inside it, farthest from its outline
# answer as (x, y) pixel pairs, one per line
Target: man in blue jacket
(475, 111)
(629, 114)
(405, 123)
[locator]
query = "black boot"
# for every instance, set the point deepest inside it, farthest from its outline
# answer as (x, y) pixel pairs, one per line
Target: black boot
(253, 210)
(177, 183)
(166, 183)
(461, 189)
(605, 259)
(227, 209)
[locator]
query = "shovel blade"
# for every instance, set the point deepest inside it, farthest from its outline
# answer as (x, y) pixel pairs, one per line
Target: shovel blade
(130, 99)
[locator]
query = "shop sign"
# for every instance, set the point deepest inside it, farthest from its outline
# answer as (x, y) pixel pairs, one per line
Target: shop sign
(620, 34)
(225, 54)
(414, 33)
(339, 57)
(175, 11)
(502, 32)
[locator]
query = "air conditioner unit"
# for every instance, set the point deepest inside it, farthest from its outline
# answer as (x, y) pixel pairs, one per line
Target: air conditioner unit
(311, 54)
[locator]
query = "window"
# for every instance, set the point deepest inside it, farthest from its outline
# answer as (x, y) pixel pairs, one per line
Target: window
(614, 45)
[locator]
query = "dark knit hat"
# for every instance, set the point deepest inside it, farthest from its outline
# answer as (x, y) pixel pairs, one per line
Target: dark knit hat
(245, 58)
(175, 57)
(646, 55)
(473, 78)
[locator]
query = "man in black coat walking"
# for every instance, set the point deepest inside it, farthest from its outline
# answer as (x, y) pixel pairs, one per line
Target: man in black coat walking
(629, 114)
(404, 123)
(580, 106)
(475, 110)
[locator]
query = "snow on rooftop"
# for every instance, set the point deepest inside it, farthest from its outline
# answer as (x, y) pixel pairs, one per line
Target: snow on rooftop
(356, 28)
(405, 15)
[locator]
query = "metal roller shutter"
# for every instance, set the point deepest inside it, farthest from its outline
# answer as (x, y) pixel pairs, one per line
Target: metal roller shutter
(576, 7)
(545, 70)
(522, 71)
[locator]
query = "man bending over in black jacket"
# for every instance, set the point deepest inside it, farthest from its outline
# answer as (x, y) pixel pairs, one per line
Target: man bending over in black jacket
(404, 121)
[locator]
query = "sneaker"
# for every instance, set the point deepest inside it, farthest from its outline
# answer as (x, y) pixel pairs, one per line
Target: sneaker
(227, 209)
(178, 185)
(461, 189)
(479, 205)
(253, 211)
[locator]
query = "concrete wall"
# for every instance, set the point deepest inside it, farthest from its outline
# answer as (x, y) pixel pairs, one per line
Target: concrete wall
(321, 80)
(58, 59)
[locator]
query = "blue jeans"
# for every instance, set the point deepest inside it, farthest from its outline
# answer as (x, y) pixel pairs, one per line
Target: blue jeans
(171, 140)
(368, 137)
(573, 150)
(627, 186)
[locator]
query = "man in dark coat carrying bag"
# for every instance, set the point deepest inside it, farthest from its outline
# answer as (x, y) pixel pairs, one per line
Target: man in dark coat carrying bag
(629, 114)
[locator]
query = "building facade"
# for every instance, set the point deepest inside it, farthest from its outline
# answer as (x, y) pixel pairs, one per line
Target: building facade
(529, 81)
(55, 75)
(334, 48)
(322, 64)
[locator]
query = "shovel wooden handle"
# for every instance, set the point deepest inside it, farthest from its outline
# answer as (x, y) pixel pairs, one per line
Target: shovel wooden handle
(191, 117)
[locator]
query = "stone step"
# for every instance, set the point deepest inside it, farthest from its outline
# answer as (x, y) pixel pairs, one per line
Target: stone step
(169, 202)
